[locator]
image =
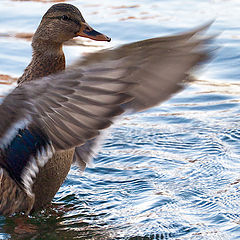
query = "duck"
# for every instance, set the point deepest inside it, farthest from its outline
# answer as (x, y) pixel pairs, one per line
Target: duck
(56, 115)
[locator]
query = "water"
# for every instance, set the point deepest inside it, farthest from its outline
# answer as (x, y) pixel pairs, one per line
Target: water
(171, 172)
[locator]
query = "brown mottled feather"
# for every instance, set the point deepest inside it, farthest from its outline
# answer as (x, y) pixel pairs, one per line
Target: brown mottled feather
(42, 65)
(57, 169)
(12, 197)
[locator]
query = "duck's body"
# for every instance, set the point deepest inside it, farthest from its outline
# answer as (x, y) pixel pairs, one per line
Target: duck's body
(46, 61)
(57, 114)
(48, 58)
(56, 169)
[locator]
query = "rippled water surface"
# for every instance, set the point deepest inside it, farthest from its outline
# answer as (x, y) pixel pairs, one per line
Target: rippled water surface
(172, 172)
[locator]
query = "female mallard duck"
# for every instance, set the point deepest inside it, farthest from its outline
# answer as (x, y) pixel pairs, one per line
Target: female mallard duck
(46, 119)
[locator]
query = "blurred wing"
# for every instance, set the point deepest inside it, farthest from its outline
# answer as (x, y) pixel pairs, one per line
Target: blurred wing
(160, 66)
(85, 153)
(69, 108)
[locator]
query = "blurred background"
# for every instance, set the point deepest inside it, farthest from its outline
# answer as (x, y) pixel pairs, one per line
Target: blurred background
(171, 172)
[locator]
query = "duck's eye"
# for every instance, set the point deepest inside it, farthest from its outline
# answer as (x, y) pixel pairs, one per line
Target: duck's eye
(65, 18)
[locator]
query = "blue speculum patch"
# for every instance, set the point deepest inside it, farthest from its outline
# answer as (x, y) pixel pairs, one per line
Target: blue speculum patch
(25, 145)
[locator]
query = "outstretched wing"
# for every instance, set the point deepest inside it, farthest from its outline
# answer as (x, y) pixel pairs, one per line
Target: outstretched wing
(161, 66)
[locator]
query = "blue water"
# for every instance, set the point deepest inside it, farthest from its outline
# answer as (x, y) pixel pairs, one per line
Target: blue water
(172, 172)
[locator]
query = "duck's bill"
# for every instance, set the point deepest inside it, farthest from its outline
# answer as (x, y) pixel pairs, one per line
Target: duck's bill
(88, 32)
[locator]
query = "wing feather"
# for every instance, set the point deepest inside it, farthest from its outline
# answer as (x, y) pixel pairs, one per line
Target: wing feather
(160, 67)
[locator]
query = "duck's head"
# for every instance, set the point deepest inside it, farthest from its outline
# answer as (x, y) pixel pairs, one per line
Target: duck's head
(63, 22)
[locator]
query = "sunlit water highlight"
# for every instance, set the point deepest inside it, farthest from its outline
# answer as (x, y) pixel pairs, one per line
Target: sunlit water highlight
(172, 172)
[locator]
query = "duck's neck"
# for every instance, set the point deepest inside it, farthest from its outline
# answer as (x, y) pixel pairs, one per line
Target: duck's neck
(47, 58)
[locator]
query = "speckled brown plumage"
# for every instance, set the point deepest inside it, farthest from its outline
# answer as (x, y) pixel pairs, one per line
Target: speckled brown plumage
(43, 65)
(51, 177)
(12, 197)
